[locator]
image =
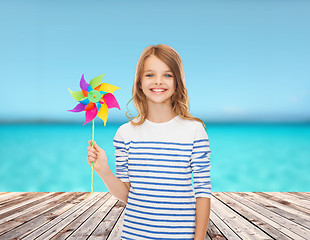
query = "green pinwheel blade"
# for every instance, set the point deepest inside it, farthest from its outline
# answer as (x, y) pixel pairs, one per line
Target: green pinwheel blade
(78, 96)
(95, 82)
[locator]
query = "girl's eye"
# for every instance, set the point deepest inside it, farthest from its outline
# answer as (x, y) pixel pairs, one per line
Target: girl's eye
(150, 75)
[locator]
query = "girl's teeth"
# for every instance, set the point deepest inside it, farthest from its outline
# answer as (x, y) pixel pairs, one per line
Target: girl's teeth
(154, 90)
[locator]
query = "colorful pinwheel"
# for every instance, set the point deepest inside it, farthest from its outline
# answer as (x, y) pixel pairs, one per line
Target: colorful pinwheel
(95, 99)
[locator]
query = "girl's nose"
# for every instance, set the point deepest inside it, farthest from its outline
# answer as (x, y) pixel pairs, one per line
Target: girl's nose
(158, 80)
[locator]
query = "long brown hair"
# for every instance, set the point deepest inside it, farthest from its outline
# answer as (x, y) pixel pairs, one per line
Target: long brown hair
(180, 100)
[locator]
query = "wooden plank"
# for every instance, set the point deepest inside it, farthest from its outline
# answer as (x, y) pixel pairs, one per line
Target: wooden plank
(302, 195)
(77, 218)
(56, 215)
(107, 223)
(11, 195)
(288, 227)
(67, 217)
(15, 198)
(15, 216)
(207, 237)
(7, 209)
(102, 220)
(278, 197)
(282, 209)
(213, 231)
(76, 215)
(30, 219)
(117, 229)
(302, 202)
(255, 214)
(243, 228)
(306, 194)
(226, 231)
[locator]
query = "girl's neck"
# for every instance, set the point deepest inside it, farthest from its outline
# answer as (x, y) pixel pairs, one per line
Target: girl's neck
(160, 113)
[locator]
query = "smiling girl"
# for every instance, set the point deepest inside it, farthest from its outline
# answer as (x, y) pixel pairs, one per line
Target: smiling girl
(157, 153)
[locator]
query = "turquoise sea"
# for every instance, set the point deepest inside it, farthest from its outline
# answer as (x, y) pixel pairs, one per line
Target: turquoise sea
(244, 157)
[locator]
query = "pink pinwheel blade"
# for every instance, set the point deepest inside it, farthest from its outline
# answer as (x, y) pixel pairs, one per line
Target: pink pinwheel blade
(111, 101)
(83, 83)
(78, 108)
(90, 114)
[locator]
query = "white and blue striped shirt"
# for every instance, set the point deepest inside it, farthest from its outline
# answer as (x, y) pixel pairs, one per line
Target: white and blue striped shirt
(159, 160)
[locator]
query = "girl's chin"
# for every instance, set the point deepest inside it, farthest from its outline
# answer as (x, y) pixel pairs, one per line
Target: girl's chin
(159, 100)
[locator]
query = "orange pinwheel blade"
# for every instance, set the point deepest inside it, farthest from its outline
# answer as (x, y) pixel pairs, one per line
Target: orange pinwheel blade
(89, 106)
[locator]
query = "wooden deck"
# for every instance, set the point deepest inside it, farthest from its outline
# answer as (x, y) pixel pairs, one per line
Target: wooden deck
(78, 215)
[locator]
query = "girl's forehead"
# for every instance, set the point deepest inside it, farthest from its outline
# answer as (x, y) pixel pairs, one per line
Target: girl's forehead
(153, 63)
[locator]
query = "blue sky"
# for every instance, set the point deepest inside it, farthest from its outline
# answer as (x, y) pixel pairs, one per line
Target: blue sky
(243, 60)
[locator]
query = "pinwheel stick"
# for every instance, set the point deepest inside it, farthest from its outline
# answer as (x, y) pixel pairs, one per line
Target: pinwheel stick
(92, 163)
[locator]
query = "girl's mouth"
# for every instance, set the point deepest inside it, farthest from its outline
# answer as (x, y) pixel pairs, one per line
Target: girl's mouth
(158, 90)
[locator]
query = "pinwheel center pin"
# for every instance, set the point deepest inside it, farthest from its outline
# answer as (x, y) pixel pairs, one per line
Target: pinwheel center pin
(94, 96)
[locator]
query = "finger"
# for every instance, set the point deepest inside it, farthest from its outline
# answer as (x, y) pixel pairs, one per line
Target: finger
(92, 155)
(97, 148)
(90, 162)
(91, 149)
(91, 159)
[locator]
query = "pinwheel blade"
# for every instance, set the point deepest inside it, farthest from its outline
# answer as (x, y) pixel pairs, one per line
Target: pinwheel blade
(98, 104)
(78, 108)
(89, 88)
(109, 88)
(95, 82)
(85, 101)
(111, 101)
(85, 93)
(83, 83)
(90, 114)
(90, 106)
(103, 113)
(78, 96)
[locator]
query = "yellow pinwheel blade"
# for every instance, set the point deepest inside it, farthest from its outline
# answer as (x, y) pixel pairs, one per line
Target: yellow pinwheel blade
(106, 87)
(103, 113)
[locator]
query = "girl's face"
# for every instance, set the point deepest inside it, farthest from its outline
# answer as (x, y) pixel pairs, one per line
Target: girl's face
(157, 81)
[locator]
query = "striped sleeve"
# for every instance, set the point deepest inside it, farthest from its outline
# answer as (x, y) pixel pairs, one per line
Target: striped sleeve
(200, 163)
(121, 157)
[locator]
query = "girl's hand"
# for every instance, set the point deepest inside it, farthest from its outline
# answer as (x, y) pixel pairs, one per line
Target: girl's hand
(96, 155)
